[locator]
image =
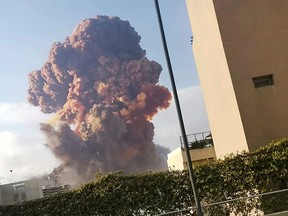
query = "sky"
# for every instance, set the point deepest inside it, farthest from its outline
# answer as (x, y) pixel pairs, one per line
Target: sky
(30, 27)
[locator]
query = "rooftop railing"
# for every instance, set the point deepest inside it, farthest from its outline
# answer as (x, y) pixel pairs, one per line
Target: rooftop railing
(198, 140)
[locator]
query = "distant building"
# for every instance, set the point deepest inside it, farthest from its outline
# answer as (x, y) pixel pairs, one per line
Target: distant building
(201, 150)
(241, 53)
(17, 192)
(1, 201)
(32, 189)
(52, 190)
(177, 159)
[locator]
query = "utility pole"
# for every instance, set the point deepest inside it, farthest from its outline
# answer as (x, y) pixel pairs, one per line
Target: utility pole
(178, 108)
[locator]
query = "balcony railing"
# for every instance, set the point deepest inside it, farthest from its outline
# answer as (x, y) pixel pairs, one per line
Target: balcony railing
(198, 140)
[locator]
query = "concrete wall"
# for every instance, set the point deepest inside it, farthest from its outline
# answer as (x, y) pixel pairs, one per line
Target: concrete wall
(177, 159)
(254, 35)
(1, 201)
(31, 188)
(235, 41)
(218, 91)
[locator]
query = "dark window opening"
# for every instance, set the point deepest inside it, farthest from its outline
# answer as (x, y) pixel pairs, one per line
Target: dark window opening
(262, 81)
(16, 197)
(23, 196)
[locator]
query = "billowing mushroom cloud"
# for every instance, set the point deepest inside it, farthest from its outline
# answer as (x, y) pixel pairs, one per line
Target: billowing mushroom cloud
(104, 92)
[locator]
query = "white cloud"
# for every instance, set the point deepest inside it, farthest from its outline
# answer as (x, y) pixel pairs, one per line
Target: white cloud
(167, 129)
(19, 114)
(22, 148)
(26, 156)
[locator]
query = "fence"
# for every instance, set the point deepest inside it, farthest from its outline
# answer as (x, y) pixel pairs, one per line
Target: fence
(192, 210)
(198, 140)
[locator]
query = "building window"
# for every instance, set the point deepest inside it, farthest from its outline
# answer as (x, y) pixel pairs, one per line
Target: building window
(263, 81)
(23, 196)
(16, 197)
(20, 186)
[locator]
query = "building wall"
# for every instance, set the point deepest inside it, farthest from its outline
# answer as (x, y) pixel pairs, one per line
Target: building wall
(219, 96)
(235, 41)
(254, 35)
(50, 191)
(1, 201)
(24, 190)
(21, 191)
(177, 159)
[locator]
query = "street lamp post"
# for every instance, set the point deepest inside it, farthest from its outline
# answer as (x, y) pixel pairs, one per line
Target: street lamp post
(178, 108)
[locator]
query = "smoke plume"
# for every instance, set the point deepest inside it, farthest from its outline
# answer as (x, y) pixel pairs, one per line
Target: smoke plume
(104, 92)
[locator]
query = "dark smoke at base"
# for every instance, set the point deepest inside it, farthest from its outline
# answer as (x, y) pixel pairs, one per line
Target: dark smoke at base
(100, 83)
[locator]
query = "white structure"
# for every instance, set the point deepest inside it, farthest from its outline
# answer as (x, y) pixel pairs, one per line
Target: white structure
(21, 191)
(177, 159)
(17, 192)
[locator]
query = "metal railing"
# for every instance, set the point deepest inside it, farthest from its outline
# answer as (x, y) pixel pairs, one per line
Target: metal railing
(198, 140)
(191, 209)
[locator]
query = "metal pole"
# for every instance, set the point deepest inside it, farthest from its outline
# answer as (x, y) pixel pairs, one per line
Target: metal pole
(180, 118)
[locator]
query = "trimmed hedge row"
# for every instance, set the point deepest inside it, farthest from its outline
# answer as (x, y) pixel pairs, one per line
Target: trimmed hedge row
(246, 174)
(157, 192)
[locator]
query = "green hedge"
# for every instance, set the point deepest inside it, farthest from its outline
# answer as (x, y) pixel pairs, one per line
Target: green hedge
(157, 192)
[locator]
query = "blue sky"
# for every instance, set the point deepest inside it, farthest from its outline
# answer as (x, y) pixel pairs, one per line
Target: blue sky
(28, 29)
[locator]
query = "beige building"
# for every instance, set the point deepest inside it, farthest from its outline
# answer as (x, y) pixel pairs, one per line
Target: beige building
(177, 159)
(201, 149)
(241, 53)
